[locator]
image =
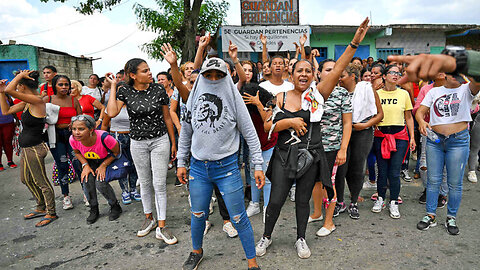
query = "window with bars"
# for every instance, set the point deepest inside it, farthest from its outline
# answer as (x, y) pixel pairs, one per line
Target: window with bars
(384, 53)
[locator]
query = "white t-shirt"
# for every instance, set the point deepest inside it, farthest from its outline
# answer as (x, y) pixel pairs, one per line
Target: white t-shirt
(275, 89)
(94, 92)
(449, 105)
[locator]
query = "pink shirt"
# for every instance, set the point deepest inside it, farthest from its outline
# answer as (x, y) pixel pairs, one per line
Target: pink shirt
(420, 98)
(96, 151)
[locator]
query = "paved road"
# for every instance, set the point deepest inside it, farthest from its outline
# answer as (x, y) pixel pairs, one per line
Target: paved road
(375, 241)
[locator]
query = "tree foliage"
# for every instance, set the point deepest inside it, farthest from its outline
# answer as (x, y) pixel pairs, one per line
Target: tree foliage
(174, 23)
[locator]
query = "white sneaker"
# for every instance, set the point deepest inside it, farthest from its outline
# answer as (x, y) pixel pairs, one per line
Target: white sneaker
(262, 245)
(67, 203)
(165, 235)
(207, 227)
(379, 205)
(230, 230)
(406, 175)
(292, 193)
(324, 231)
(253, 209)
(368, 185)
(148, 225)
(472, 176)
(264, 213)
(394, 213)
(302, 248)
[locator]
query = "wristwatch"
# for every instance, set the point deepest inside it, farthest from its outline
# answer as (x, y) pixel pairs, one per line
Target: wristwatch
(468, 62)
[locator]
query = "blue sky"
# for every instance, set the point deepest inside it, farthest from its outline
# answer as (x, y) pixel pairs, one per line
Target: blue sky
(98, 32)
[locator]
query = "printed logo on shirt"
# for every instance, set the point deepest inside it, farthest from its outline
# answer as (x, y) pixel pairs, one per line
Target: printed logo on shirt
(209, 113)
(91, 155)
(447, 105)
(388, 101)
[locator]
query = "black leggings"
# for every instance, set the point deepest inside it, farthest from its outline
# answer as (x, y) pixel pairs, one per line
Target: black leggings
(339, 177)
(281, 185)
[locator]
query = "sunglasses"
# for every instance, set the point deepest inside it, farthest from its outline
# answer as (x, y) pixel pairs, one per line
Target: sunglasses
(79, 117)
(394, 73)
(63, 84)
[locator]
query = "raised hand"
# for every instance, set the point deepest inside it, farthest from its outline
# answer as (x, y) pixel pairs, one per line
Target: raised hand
(25, 74)
(204, 41)
(109, 77)
(303, 39)
(168, 53)
(361, 32)
(263, 39)
(3, 85)
(233, 51)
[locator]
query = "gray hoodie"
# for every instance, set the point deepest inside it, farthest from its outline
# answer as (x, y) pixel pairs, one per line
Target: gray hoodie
(215, 117)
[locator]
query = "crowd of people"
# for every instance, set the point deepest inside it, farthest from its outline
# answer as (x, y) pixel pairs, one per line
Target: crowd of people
(299, 128)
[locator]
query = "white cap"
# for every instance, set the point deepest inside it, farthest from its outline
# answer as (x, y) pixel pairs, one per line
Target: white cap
(214, 64)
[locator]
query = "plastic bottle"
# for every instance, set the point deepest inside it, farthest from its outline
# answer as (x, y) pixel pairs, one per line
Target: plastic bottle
(432, 136)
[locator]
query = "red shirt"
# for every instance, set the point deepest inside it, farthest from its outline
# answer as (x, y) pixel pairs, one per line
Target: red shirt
(262, 135)
(19, 114)
(86, 102)
(49, 89)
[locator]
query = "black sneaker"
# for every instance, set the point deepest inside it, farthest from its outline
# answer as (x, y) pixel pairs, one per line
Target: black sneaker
(254, 268)
(177, 183)
(115, 211)
(353, 210)
(451, 226)
(426, 223)
(193, 261)
(339, 208)
(442, 200)
(423, 197)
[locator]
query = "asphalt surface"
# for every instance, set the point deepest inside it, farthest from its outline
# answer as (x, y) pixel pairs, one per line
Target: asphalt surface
(375, 241)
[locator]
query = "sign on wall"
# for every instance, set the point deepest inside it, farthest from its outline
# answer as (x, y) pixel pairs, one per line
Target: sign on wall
(269, 12)
(279, 38)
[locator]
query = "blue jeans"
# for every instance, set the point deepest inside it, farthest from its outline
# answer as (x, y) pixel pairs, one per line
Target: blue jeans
(61, 153)
(131, 179)
(266, 155)
(371, 160)
(451, 152)
(389, 169)
(225, 174)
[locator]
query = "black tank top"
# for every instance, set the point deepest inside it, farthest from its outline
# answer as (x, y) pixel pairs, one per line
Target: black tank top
(32, 130)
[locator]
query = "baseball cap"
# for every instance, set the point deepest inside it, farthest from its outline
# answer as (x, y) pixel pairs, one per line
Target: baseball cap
(214, 64)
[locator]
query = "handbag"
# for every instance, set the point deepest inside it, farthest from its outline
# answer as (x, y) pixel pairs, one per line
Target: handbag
(120, 167)
(305, 158)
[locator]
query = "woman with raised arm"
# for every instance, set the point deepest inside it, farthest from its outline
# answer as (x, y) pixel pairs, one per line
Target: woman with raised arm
(302, 112)
(151, 127)
(34, 149)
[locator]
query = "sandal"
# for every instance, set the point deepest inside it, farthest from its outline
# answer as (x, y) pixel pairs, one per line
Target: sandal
(49, 220)
(34, 214)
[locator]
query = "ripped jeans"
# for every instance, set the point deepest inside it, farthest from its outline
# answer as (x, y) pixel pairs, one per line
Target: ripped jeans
(225, 174)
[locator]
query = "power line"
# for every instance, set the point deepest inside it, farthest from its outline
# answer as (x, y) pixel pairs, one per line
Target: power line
(111, 46)
(61, 26)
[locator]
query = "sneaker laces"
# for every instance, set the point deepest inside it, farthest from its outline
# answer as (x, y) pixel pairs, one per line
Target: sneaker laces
(302, 243)
(427, 219)
(146, 223)
(166, 232)
(452, 222)
(263, 242)
(191, 258)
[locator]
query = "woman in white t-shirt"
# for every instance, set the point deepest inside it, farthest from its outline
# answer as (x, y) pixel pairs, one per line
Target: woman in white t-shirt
(448, 145)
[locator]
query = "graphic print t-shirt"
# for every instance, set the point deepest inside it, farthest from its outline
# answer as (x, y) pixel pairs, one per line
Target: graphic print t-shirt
(145, 110)
(96, 151)
(449, 105)
(394, 104)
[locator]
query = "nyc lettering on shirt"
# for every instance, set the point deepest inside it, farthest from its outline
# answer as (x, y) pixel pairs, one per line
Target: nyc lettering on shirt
(388, 101)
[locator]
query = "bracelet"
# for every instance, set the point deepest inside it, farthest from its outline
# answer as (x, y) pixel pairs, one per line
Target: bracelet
(84, 164)
(353, 45)
(236, 62)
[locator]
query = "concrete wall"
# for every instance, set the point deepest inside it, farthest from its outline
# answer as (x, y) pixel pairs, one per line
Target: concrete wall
(329, 40)
(16, 52)
(75, 68)
(413, 41)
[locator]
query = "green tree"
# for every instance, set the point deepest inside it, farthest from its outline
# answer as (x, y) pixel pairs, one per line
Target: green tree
(175, 21)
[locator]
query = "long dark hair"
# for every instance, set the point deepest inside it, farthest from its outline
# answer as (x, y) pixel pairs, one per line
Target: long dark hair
(263, 95)
(54, 83)
(131, 67)
(31, 84)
